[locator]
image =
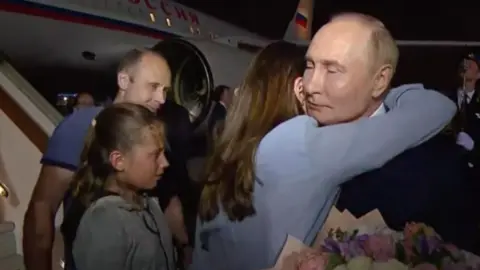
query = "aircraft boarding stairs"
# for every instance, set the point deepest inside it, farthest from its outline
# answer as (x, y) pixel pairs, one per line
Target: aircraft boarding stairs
(26, 122)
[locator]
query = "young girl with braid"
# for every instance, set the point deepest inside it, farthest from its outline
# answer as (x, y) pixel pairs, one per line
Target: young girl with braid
(111, 224)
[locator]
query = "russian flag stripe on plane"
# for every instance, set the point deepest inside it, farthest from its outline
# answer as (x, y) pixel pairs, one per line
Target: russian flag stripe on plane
(301, 20)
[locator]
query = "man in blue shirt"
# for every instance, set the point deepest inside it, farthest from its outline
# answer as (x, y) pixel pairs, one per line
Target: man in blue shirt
(143, 77)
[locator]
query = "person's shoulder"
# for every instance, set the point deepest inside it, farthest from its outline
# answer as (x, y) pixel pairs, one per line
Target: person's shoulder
(104, 219)
(108, 209)
(284, 143)
(172, 114)
(78, 120)
(173, 108)
(290, 131)
(66, 143)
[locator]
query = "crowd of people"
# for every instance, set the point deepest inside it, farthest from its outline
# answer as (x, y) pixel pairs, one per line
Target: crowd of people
(305, 131)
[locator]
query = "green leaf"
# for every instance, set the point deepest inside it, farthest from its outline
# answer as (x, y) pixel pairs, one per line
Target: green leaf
(334, 260)
(400, 251)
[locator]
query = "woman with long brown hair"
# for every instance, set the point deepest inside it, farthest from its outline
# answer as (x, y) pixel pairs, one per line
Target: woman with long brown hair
(265, 100)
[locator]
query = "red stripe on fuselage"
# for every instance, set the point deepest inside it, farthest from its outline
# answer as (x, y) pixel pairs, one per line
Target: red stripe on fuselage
(59, 14)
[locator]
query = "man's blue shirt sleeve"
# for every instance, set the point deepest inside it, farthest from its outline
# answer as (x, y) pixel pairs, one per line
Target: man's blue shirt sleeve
(66, 143)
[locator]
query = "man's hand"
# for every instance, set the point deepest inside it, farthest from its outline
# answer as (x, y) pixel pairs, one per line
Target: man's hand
(174, 216)
(39, 224)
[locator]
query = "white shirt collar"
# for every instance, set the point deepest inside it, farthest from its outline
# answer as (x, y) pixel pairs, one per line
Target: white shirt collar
(460, 94)
(469, 94)
(380, 110)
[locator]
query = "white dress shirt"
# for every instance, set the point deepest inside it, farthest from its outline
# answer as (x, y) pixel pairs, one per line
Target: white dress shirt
(380, 110)
(460, 95)
(463, 139)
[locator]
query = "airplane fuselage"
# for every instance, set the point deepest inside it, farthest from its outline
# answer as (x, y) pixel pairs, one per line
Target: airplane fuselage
(42, 34)
(150, 21)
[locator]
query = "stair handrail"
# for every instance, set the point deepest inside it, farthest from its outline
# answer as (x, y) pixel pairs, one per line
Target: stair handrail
(29, 91)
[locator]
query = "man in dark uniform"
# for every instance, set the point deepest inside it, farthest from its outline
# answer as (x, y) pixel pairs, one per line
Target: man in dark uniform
(466, 124)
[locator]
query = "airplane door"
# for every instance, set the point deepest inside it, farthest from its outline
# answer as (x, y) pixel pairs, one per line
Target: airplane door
(198, 65)
(192, 80)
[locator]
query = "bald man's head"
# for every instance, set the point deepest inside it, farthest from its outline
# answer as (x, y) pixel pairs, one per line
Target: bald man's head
(143, 78)
(382, 47)
(350, 63)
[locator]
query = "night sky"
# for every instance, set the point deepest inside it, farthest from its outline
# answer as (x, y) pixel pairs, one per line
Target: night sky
(407, 20)
(444, 20)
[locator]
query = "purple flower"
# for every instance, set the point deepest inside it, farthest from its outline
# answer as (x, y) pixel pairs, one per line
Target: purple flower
(330, 245)
(433, 243)
(421, 244)
(357, 248)
(362, 237)
(345, 250)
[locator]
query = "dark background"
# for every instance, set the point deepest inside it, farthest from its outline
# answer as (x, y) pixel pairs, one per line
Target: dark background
(407, 20)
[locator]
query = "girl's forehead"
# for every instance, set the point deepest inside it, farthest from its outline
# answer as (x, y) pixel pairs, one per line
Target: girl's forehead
(152, 135)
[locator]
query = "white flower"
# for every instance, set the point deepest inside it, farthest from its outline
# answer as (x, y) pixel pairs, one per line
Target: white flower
(360, 263)
(391, 264)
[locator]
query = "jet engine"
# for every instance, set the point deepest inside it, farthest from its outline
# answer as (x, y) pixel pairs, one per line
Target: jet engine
(198, 65)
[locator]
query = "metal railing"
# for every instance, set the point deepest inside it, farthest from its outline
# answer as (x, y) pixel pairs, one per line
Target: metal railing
(29, 91)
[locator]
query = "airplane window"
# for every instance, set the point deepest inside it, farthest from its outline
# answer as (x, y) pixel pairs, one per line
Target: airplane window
(192, 79)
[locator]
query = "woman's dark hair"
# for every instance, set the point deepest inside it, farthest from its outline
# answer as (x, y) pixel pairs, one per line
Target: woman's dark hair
(117, 127)
(265, 99)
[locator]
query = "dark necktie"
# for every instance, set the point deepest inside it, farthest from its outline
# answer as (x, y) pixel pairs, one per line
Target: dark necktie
(463, 109)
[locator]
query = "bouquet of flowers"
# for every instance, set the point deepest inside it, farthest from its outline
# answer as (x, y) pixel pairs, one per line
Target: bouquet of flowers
(348, 243)
(418, 248)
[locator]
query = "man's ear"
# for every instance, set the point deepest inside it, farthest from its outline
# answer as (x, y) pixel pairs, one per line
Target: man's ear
(382, 80)
(299, 91)
(123, 80)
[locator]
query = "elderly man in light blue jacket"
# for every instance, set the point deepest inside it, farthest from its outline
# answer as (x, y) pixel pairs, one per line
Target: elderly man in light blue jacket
(299, 166)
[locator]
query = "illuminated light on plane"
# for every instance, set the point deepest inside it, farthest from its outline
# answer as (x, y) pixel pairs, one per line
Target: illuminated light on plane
(4, 191)
(170, 9)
